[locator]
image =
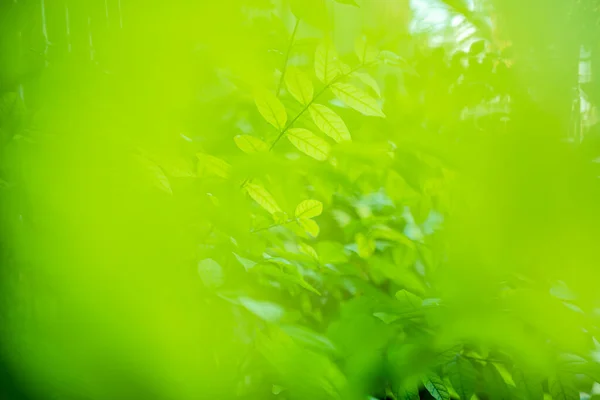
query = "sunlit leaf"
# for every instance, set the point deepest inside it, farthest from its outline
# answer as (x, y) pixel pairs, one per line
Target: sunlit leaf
(299, 85)
(309, 209)
(262, 197)
(310, 226)
(212, 166)
(271, 108)
(364, 245)
(357, 99)
(369, 81)
(250, 144)
(365, 52)
(308, 143)
(155, 174)
(265, 310)
(326, 62)
(329, 122)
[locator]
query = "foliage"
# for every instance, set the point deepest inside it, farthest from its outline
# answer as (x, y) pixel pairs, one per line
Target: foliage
(296, 209)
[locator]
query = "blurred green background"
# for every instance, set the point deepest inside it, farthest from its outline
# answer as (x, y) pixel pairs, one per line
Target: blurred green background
(299, 199)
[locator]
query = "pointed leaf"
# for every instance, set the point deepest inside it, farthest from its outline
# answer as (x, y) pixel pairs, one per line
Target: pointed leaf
(463, 377)
(250, 144)
(529, 385)
(155, 174)
(262, 197)
(436, 387)
(265, 310)
(212, 166)
(408, 301)
(326, 62)
(365, 52)
(310, 226)
(329, 122)
(369, 81)
(560, 389)
(309, 209)
(357, 99)
(299, 85)
(271, 108)
(308, 143)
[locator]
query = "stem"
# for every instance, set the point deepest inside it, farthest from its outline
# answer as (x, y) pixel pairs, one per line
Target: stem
(315, 97)
(274, 225)
(287, 56)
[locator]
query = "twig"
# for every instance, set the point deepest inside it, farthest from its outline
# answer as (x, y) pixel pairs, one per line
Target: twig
(287, 57)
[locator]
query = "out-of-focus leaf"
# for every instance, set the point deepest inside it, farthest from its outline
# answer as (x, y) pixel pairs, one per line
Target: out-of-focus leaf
(299, 85)
(369, 81)
(265, 310)
(562, 389)
(212, 166)
(463, 377)
(211, 273)
(250, 144)
(309, 226)
(529, 385)
(326, 62)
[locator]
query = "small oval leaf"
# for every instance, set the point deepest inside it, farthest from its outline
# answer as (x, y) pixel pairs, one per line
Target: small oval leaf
(250, 144)
(309, 209)
(262, 197)
(326, 62)
(308, 143)
(357, 99)
(210, 273)
(329, 123)
(271, 108)
(299, 85)
(310, 226)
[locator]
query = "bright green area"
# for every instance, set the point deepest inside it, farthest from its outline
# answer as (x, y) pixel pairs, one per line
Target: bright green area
(299, 199)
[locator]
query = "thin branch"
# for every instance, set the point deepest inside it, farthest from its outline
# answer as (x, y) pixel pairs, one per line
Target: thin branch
(287, 56)
(315, 97)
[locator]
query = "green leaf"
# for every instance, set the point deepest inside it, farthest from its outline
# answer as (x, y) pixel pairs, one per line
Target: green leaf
(495, 384)
(357, 99)
(436, 387)
(265, 310)
(155, 174)
(326, 62)
(529, 385)
(212, 166)
(369, 81)
(560, 389)
(407, 392)
(329, 123)
(365, 52)
(309, 226)
(365, 246)
(299, 85)
(248, 264)
(348, 2)
(210, 273)
(308, 143)
(271, 108)
(262, 197)
(408, 301)
(250, 144)
(309, 209)
(463, 377)
(308, 250)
